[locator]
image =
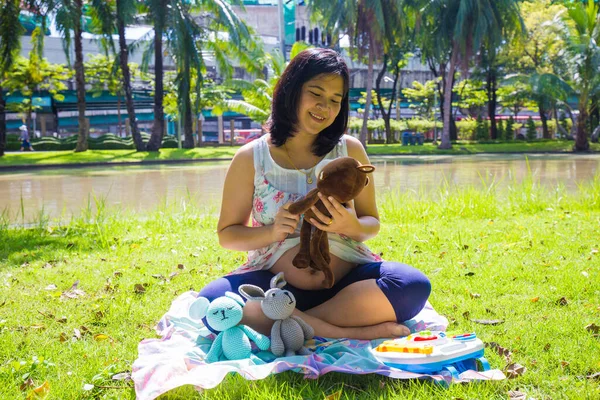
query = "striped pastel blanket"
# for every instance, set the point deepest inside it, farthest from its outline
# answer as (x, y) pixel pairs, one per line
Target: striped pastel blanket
(177, 358)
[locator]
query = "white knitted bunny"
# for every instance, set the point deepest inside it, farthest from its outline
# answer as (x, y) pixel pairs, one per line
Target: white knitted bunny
(289, 331)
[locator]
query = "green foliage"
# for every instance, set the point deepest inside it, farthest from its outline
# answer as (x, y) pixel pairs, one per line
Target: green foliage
(104, 74)
(467, 128)
(472, 97)
(104, 142)
(509, 132)
(422, 97)
(482, 130)
(531, 129)
(500, 129)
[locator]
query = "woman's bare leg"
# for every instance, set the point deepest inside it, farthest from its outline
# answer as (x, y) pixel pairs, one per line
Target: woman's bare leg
(361, 303)
(255, 318)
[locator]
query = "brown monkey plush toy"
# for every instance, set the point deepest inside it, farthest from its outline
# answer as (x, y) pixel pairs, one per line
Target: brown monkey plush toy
(343, 179)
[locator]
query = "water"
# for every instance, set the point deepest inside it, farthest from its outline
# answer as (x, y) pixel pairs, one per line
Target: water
(61, 193)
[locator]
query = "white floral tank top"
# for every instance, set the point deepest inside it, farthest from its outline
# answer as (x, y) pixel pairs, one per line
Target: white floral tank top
(274, 186)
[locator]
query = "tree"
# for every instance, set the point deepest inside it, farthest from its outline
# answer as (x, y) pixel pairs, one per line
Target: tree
(460, 28)
(422, 97)
(515, 97)
(104, 74)
(69, 17)
(220, 33)
(258, 95)
(537, 53)
(531, 129)
(472, 97)
(369, 24)
(397, 58)
(30, 76)
(580, 30)
(10, 44)
(509, 132)
(115, 16)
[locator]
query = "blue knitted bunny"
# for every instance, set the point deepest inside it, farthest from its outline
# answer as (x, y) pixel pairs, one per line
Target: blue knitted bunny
(233, 341)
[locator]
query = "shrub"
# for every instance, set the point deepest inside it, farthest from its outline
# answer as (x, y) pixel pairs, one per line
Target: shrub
(531, 129)
(509, 131)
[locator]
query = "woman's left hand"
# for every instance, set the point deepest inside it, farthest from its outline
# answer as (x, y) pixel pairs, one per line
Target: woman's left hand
(343, 219)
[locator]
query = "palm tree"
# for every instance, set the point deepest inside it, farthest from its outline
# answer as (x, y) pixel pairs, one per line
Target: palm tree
(120, 15)
(10, 44)
(221, 34)
(580, 29)
(462, 27)
(369, 24)
(69, 15)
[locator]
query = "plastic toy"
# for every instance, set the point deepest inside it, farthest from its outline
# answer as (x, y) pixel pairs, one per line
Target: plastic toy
(432, 352)
(233, 341)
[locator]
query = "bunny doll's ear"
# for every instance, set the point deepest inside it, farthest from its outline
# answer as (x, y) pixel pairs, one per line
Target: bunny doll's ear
(198, 308)
(235, 297)
(251, 292)
(278, 281)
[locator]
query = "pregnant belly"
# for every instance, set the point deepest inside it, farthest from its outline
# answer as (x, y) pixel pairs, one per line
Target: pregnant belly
(309, 279)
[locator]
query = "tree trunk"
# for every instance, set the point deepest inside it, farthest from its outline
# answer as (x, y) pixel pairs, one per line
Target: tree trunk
(492, 101)
(581, 140)
(188, 125)
(158, 129)
(119, 127)
(384, 113)
(544, 119)
(123, 59)
(363, 130)
(82, 141)
(445, 143)
(2, 123)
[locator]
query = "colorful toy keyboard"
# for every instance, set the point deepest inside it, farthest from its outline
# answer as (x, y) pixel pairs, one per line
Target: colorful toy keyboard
(431, 351)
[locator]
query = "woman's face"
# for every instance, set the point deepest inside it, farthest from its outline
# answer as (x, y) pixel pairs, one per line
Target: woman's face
(320, 103)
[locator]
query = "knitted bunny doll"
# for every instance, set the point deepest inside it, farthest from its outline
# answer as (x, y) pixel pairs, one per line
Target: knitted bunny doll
(289, 332)
(233, 341)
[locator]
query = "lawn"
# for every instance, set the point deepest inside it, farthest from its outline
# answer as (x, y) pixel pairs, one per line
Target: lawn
(77, 297)
(225, 152)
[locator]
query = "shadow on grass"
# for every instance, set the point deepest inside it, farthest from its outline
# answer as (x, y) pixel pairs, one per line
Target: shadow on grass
(20, 246)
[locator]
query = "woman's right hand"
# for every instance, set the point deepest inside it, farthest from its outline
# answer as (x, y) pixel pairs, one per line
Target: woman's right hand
(285, 223)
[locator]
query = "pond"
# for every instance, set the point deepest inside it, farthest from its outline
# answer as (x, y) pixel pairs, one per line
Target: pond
(61, 193)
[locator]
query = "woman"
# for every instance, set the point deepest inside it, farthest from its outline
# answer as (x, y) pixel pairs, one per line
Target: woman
(308, 120)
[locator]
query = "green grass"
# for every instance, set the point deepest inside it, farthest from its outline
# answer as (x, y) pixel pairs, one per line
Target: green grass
(226, 152)
(507, 255)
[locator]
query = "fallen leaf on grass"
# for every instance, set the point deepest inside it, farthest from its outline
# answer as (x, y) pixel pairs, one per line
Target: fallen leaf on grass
(159, 276)
(594, 376)
(488, 321)
(47, 265)
(73, 292)
(27, 384)
(173, 275)
(139, 288)
(562, 301)
(334, 396)
(547, 347)
(77, 333)
(475, 295)
(38, 327)
(466, 314)
(470, 274)
(564, 364)
(515, 370)
(123, 376)
(63, 337)
(381, 385)
(502, 351)
(180, 266)
(535, 299)
(99, 337)
(87, 387)
(39, 392)
(52, 286)
(516, 395)
(593, 328)
(118, 274)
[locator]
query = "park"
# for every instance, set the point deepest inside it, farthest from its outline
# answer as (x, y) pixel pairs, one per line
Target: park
(119, 122)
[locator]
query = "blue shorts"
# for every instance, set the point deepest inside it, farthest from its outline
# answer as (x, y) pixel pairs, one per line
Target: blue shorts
(406, 288)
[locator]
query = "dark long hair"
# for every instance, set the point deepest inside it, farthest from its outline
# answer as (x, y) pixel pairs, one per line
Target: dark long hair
(286, 96)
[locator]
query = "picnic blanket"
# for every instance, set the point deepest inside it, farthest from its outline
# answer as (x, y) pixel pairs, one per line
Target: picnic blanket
(177, 358)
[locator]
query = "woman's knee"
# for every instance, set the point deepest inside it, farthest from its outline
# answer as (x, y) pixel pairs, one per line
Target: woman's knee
(406, 287)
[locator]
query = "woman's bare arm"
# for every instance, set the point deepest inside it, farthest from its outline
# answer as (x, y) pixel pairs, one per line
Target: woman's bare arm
(236, 206)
